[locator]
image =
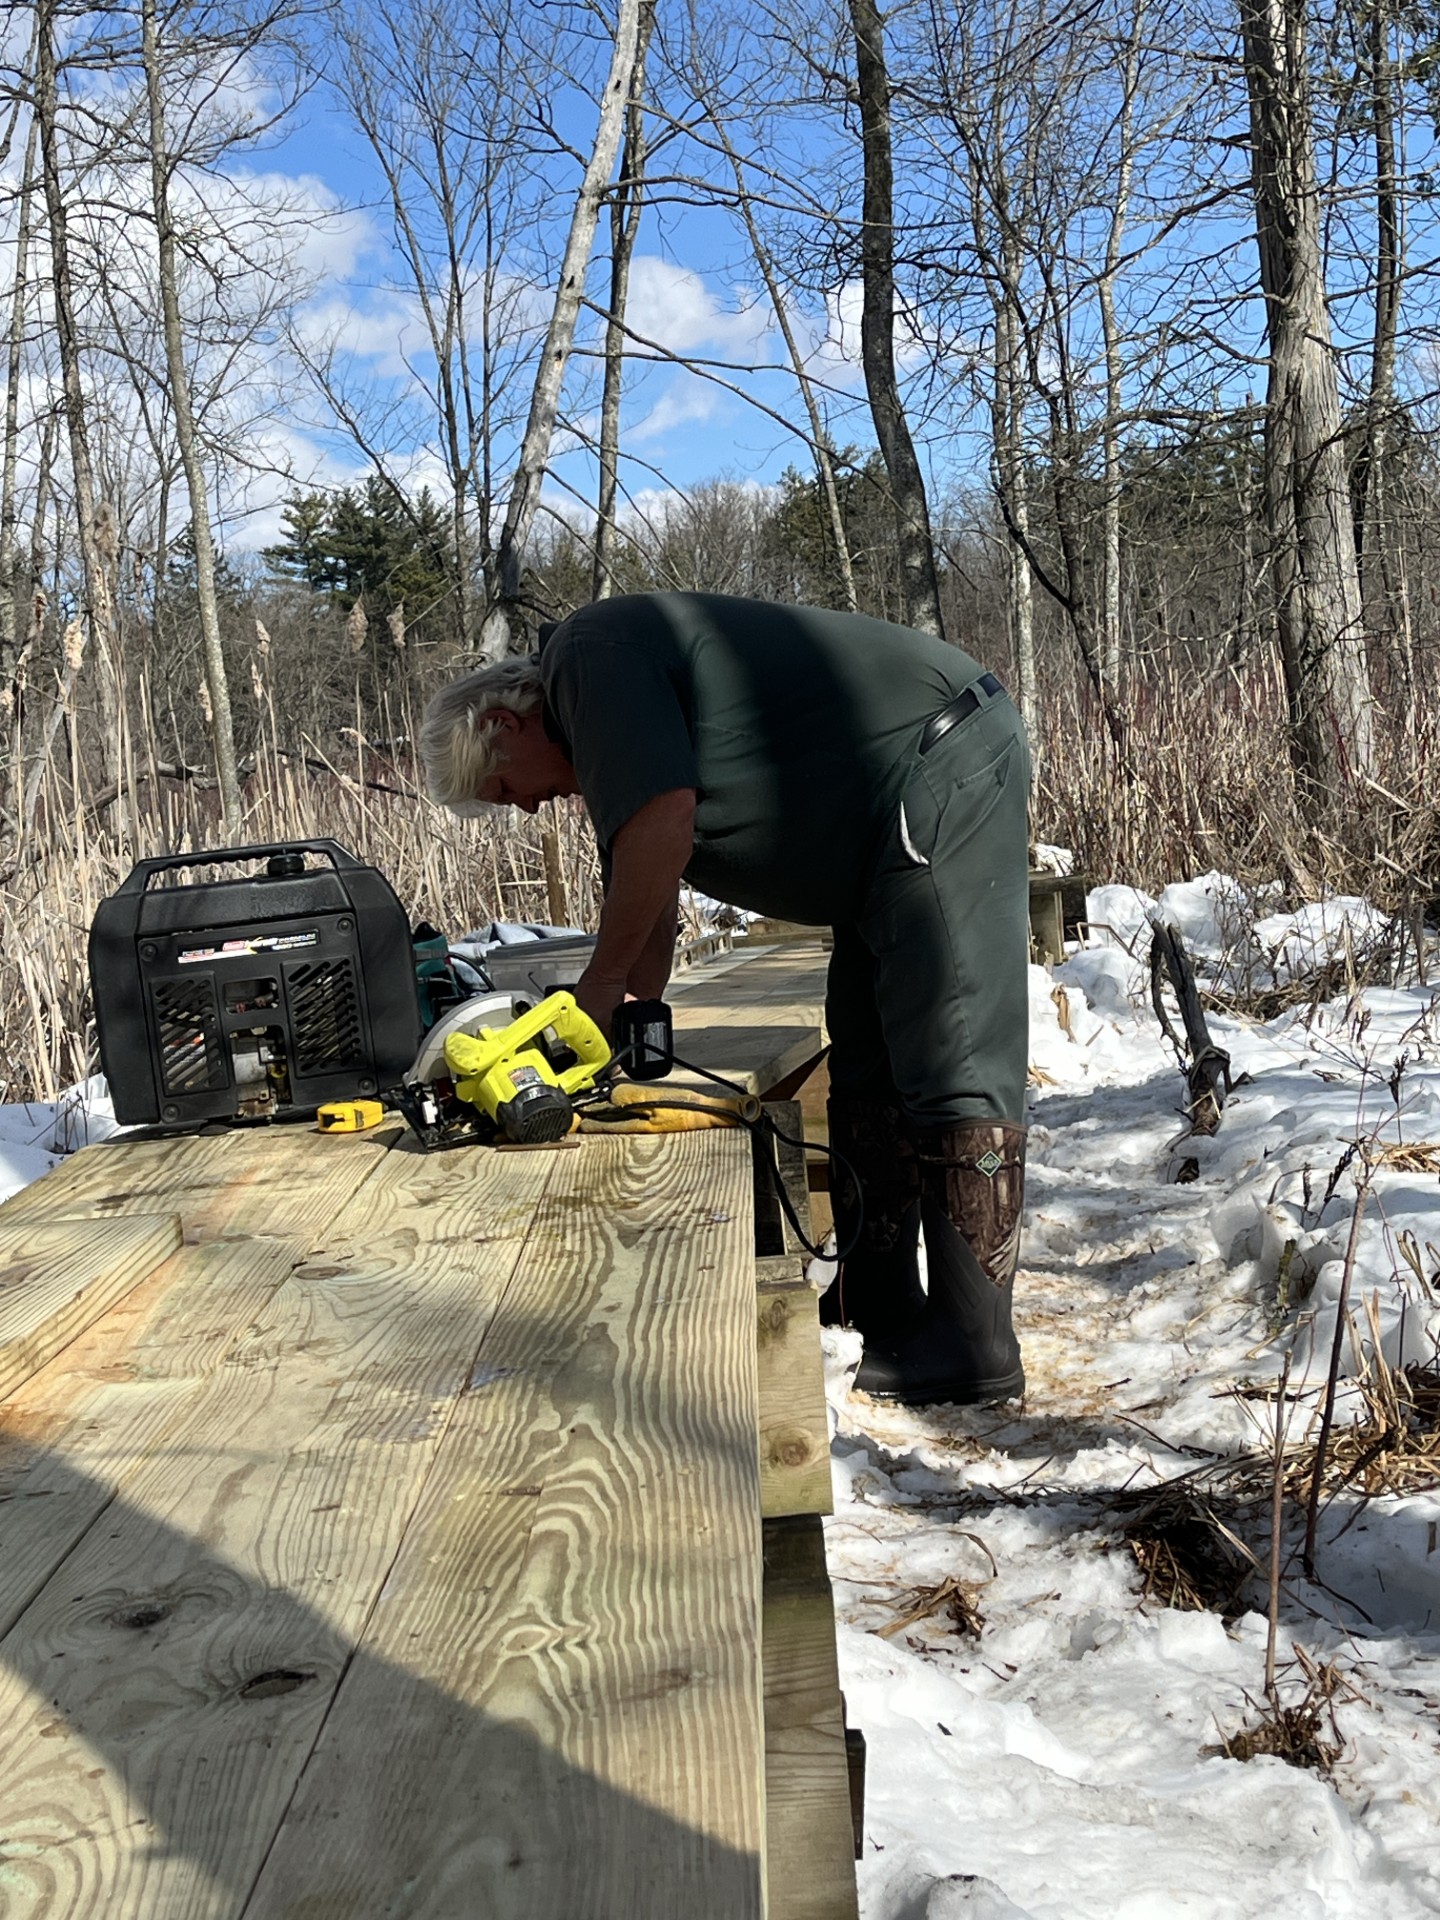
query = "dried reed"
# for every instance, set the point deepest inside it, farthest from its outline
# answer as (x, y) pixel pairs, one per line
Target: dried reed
(1302, 1733)
(1208, 786)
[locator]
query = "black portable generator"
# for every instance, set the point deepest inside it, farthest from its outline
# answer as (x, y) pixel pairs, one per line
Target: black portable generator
(252, 998)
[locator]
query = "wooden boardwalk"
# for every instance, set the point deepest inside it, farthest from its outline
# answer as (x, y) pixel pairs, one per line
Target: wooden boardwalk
(384, 1534)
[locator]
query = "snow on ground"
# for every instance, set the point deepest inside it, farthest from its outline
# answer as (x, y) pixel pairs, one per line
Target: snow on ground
(1053, 1767)
(36, 1134)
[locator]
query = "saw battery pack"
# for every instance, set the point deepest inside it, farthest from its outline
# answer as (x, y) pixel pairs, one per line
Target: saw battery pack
(254, 997)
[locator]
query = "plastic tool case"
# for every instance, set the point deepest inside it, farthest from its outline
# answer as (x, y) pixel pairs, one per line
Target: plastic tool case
(255, 997)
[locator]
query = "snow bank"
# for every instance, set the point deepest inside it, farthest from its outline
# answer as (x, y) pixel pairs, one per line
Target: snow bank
(1054, 1767)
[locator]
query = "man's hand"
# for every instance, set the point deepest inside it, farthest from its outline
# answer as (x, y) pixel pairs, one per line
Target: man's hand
(599, 998)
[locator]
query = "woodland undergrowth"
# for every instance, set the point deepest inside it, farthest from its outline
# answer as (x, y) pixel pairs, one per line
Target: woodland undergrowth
(1204, 782)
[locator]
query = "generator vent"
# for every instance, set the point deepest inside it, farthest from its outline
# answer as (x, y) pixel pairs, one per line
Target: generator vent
(325, 1024)
(192, 1059)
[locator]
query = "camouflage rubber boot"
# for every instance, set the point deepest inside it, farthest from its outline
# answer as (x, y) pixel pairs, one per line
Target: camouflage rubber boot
(962, 1349)
(878, 1286)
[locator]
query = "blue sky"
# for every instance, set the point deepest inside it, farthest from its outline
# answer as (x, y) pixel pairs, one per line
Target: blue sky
(693, 290)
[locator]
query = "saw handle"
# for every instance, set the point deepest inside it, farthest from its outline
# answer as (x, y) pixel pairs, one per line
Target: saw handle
(475, 1054)
(644, 1036)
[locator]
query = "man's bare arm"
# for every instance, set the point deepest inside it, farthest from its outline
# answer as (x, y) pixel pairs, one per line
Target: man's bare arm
(647, 858)
(651, 972)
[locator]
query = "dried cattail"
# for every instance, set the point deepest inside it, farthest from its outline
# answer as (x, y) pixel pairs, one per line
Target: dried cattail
(395, 621)
(73, 645)
(107, 533)
(357, 626)
(262, 640)
(205, 706)
(256, 682)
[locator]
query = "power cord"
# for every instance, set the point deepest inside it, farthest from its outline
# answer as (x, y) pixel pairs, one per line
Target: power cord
(763, 1124)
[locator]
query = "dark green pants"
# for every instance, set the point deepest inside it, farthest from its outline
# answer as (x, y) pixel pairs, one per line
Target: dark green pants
(927, 995)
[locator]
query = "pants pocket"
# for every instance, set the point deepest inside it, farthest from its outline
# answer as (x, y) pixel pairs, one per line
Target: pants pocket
(944, 807)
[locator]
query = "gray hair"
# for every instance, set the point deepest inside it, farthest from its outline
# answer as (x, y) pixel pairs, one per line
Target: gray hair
(458, 748)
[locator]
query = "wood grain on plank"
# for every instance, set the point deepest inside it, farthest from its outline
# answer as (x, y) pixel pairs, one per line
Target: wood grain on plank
(245, 1180)
(794, 1428)
(556, 1712)
(86, 1423)
(56, 1276)
(809, 1836)
(163, 1690)
(753, 1017)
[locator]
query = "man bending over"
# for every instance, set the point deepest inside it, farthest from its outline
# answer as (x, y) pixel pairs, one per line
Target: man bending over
(831, 769)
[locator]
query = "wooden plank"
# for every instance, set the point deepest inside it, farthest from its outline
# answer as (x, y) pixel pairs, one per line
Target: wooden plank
(109, 1166)
(557, 1708)
(238, 1181)
(57, 1276)
(793, 1424)
(786, 1158)
(163, 1690)
(85, 1424)
(809, 1835)
(753, 1017)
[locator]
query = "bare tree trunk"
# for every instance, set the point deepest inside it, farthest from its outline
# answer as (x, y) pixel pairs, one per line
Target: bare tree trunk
(99, 599)
(529, 472)
(1114, 395)
(9, 461)
(1382, 583)
(1307, 487)
(625, 210)
(222, 728)
(1007, 427)
(915, 548)
(1001, 261)
(1242, 639)
(819, 436)
(44, 488)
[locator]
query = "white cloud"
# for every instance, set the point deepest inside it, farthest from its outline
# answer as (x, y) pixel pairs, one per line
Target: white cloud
(831, 342)
(387, 332)
(673, 306)
(686, 402)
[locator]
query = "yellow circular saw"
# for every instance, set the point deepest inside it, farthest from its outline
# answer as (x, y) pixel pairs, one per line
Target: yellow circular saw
(509, 1075)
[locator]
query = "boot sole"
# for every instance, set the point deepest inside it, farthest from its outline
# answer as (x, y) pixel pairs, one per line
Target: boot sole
(949, 1393)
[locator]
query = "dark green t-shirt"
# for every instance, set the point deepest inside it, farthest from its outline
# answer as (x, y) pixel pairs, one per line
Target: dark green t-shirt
(796, 726)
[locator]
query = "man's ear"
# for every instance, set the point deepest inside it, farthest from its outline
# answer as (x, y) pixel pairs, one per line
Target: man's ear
(500, 718)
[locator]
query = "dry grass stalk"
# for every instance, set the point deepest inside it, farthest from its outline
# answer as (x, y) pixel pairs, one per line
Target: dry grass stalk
(1303, 1733)
(1415, 1157)
(1186, 1541)
(1332, 1377)
(1394, 1446)
(958, 1600)
(1231, 807)
(1277, 1526)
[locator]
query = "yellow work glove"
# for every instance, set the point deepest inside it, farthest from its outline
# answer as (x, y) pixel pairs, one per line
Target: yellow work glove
(640, 1109)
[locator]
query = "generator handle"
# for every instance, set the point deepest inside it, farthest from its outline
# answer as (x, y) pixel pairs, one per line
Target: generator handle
(141, 874)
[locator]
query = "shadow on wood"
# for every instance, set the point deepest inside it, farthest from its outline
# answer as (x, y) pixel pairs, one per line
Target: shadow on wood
(170, 1702)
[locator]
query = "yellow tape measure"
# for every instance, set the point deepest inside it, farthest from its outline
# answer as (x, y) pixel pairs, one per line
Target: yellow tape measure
(349, 1116)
